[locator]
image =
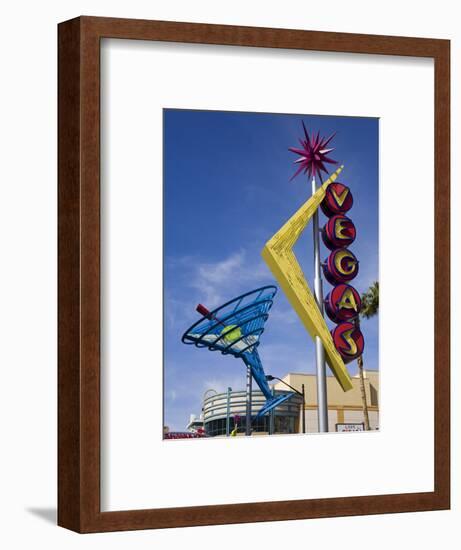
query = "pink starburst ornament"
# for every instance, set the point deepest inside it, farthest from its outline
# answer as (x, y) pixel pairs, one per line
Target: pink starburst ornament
(313, 155)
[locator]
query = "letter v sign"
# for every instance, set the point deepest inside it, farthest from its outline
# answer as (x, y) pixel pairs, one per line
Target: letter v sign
(279, 256)
(341, 197)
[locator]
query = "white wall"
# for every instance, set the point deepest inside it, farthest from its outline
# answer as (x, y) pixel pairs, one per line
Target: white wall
(28, 271)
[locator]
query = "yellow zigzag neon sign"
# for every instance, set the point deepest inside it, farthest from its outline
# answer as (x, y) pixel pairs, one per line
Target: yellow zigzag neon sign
(279, 256)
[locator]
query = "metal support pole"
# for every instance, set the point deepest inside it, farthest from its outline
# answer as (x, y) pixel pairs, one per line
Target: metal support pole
(228, 412)
(271, 416)
(248, 403)
(304, 410)
(322, 401)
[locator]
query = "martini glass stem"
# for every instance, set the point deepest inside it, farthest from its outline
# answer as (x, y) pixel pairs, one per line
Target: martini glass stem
(322, 401)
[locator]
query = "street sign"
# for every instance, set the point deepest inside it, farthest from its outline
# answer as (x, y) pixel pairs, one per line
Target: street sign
(351, 427)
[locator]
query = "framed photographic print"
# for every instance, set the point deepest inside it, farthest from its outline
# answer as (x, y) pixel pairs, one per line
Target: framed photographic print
(279, 198)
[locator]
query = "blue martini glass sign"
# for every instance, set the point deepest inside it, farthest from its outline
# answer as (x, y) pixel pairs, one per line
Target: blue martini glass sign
(235, 329)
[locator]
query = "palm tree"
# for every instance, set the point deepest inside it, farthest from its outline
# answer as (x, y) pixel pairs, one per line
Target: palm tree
(370, 306)
(370, 301)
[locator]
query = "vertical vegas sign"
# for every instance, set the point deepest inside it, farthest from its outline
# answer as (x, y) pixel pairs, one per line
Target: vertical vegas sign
(343, 303)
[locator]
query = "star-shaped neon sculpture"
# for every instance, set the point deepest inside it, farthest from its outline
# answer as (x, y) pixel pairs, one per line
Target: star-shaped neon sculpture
(313, 154)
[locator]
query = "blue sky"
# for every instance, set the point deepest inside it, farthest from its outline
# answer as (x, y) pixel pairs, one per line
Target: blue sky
(226, 192)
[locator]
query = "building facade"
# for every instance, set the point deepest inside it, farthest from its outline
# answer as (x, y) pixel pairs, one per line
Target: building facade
(224, 412)
(219, 407)
(345, 409)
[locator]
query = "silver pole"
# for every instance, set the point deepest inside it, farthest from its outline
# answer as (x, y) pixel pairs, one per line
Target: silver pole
(322, 401)
(228, 412)
(248, 404)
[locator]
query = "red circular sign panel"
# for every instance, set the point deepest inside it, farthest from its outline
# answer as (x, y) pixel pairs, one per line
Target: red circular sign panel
(341, 266)
(338, 232)
(343, 303)
(338, 199)
(348, 340)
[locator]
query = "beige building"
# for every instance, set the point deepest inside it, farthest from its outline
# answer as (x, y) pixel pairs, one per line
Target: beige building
(343, 407)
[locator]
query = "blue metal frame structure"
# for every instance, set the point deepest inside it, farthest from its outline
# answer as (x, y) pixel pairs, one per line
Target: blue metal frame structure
(235, 329)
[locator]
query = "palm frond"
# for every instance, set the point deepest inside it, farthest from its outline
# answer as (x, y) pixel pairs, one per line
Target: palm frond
(370, 301)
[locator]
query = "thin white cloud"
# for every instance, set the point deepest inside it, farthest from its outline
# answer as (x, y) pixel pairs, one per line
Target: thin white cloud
(172, 395)
(221, 280)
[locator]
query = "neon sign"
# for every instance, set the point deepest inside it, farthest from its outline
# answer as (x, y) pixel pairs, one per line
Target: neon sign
(338, 200)
(339, 231)
(343, 303)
